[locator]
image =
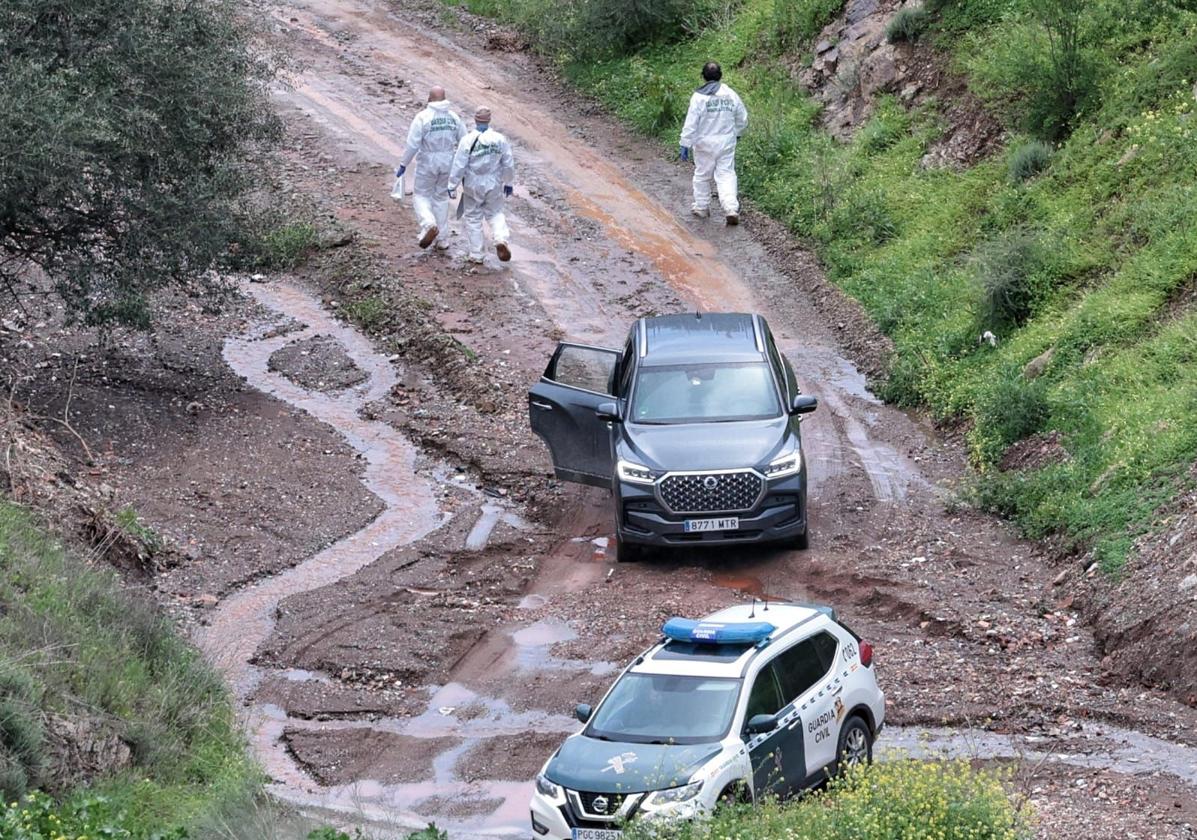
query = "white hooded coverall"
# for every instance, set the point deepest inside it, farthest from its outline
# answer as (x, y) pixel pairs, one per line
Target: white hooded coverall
(433, 135)
(483, 165)
(714, 122)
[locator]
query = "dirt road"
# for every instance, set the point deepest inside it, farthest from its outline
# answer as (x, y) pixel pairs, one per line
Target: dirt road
(422, 666)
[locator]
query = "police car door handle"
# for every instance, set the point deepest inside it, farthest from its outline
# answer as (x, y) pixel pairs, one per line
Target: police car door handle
(542, 406)
(838, 692)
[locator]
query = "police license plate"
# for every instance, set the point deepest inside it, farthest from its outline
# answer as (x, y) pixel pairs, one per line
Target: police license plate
(729, 523)
(597, 834)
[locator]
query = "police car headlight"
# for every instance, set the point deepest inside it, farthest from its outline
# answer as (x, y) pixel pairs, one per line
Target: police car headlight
(784, 465)
(547, 788)
(674, 795)
(634, 473)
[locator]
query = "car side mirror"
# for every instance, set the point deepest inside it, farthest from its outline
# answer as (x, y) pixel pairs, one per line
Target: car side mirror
(608, 411)
(760, 724)
(582, 712)
(804, 404)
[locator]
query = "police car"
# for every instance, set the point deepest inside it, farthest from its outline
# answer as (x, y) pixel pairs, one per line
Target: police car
(752, 701)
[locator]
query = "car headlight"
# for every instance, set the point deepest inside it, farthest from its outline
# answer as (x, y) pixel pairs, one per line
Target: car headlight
(674, 795)
(634, 473)
(547, 788)
(784, 465)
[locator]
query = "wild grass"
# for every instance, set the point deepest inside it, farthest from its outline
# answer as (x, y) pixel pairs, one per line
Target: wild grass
(904, 799)
(76, 644)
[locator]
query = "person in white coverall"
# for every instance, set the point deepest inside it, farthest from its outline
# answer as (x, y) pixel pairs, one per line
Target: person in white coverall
(714, 123)
(485, 169)
(433, 136)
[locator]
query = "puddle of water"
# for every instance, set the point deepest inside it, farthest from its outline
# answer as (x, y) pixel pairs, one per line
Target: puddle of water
(544, 633)
(532, 602)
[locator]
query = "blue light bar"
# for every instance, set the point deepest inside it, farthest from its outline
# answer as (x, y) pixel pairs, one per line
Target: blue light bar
(718, 632)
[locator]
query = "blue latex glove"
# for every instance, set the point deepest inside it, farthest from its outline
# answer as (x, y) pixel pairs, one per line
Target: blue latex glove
(452, 192)
(684, 153)
(399, 172)
(507, 191)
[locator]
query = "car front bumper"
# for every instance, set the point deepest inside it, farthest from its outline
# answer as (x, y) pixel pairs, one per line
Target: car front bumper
(554, 820)
(780, 515)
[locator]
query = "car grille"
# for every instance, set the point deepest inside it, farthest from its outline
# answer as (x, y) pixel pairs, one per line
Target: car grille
(611, 801)
(711, 492)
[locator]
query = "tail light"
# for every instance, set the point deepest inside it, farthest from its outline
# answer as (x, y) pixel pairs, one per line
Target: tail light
(866, 654)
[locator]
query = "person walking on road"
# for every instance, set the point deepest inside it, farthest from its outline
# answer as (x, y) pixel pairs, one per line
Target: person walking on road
(433, 137)
(715, 121)
(485, 169)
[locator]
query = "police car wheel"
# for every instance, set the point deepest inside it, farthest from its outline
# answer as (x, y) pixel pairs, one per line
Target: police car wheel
(856, 744)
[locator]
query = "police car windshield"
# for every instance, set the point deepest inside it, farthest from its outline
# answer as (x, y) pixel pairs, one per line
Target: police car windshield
(653, 708)
(705, 393)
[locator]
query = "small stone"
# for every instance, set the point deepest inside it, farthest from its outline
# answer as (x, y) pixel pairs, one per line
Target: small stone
(1188, 583)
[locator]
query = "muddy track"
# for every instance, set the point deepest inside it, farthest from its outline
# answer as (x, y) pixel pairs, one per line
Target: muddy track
(967, 627)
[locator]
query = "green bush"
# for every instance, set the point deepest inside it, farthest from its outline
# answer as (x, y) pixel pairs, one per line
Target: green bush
(368, 313)
(1011, 409)
(795, 22)
(907, 24)
(1028, 160)
(1012, 272)
(892, 800)
(133, 132)
(21, 735)
(38, 817)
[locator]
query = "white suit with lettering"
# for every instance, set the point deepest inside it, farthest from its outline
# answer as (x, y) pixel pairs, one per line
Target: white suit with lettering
(434, 135)
(483, 165)
(716, 119)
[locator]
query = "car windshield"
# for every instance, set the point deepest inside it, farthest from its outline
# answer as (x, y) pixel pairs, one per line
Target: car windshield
(657, 709)
(705, 393)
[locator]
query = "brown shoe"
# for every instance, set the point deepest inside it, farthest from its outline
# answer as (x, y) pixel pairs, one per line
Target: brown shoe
(429, 236)
(503, 251)
(733, 219)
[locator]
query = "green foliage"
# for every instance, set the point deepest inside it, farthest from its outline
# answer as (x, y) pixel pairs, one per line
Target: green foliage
(1012, 409)
(129, 522)
(328, 833)
(594, 29)
(287, 246)
(369, 313)
(38, 817)
(907, 24)
(796, 22)
(21, 735)
(893, 800)
(429, 832)
(79, 644)
(132, 129)
(1028, 160)
(1012, 272)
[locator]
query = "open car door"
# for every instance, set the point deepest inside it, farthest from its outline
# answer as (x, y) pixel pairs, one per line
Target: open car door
(561, 409)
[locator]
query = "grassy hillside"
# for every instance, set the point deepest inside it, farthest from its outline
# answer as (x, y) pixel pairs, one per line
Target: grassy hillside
(102, 703)
(1075, 245)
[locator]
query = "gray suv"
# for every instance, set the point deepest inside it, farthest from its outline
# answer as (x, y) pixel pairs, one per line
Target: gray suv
(694, 426)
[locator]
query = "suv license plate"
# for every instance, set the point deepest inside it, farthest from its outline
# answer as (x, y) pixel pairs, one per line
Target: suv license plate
(730, 523)
(597, 834)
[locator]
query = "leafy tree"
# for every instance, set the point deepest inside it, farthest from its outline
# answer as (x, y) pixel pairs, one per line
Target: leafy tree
(130, 130)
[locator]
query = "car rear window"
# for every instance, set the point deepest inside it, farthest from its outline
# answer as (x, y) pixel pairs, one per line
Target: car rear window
(705, 393)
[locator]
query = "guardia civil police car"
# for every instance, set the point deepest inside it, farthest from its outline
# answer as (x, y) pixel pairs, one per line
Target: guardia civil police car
(750, 701)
